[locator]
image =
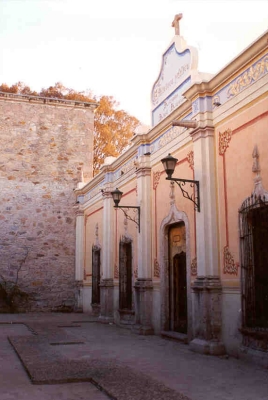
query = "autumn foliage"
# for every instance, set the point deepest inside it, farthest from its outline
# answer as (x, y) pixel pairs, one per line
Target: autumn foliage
(113, 127)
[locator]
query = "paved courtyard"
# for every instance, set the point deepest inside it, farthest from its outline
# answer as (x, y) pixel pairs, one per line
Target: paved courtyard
(73, 357)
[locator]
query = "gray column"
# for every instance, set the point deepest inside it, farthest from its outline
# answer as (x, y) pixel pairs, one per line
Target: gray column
(143, 285)
(79, 257)
(107, 267)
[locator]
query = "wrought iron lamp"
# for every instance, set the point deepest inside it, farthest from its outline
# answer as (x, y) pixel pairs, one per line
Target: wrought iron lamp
(169, 164)
(117, 194)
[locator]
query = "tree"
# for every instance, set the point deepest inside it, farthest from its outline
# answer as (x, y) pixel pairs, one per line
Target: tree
(19, 88)
(113, 127)
(113, 131)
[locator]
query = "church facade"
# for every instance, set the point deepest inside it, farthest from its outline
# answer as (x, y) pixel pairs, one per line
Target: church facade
(186, 257)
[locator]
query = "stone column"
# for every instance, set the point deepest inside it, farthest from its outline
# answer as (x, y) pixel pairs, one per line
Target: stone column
(107, 282)
(207, 286)
(79, 257)
(143, 285)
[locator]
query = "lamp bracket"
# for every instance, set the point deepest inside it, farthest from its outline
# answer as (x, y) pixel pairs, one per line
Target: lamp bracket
(195, 197)
(134, 219)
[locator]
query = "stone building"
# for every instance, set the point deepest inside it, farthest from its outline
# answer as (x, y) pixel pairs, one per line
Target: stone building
(46, 146)
(190, 260)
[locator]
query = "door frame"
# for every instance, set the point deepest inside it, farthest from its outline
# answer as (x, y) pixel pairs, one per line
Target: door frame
(175, 216)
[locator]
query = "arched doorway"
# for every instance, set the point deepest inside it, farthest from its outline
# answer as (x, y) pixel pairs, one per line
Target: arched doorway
(174, 224)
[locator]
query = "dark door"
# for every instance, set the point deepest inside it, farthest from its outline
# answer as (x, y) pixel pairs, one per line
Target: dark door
(95, 276)
(125, 276)
(179, 293)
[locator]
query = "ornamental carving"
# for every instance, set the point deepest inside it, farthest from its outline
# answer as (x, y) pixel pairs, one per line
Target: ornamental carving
(248, 77)
(259, 190)
(97, 245)
(172, 193)
(190, 159)
(78, 211)
(156, 269)
(224, 140)
(116, 272)
(229, 266)
(256, 165)
(194, 267)
(156, 179)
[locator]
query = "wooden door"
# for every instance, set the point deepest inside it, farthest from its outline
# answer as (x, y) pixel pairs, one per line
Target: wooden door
(179, 293)
(95, 276)
(125, 276)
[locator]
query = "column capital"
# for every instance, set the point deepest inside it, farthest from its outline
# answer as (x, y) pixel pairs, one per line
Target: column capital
(107, 282)
(143, 163)
(202, 132)
(209, 282)
(78, 211)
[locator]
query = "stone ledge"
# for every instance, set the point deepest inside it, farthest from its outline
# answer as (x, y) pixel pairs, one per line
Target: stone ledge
(179, 337)
(202, 346)
(255, 356)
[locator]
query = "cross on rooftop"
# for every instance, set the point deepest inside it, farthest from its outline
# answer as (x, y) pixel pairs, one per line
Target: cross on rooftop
(176, 23)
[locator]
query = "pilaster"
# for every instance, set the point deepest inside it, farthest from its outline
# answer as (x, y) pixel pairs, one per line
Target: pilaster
(79, 245)
(107, 284)
(79, 257)
(143, 285)
(207, 286)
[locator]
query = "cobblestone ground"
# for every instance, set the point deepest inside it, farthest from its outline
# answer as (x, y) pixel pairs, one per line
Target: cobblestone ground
(88, 360)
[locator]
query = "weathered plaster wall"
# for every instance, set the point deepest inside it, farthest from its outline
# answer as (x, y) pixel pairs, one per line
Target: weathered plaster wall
(44, 149)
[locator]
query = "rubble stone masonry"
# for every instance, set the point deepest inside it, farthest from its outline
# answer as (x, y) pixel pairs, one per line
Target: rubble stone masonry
(45, 148)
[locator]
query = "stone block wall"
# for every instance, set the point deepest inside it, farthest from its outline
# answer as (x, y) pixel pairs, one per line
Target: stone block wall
(46, 147)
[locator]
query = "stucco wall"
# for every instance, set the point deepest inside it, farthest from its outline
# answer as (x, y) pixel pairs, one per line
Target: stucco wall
(44, 148)
(235, 176)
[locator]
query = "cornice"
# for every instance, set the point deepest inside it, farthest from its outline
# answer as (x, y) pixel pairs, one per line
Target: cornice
(90, 185)
(230, 70)
(183, 110)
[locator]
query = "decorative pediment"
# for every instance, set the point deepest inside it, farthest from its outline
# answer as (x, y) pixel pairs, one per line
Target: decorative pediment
(179, 65)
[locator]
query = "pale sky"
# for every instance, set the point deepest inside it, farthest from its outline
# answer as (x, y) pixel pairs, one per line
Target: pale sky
(114, 47)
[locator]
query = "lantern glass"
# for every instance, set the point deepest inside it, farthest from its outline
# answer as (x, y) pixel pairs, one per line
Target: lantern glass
(169, 164)
(116, 196)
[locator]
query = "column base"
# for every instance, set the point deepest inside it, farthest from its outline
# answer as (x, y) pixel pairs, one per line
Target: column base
(143, 307)
(207, 318)
(207, 347)
(79, 297)
(106, 300)
(95, 309)
(127, 317)
(106, 320)
(142, 330)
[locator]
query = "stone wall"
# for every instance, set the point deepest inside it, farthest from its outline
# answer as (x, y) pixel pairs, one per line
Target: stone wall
(46, 147)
